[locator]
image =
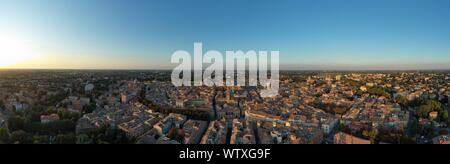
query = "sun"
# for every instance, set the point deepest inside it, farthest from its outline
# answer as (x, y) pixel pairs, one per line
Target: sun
(14, 51)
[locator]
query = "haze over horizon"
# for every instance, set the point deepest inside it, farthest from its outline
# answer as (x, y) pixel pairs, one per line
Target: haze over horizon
(310, 34)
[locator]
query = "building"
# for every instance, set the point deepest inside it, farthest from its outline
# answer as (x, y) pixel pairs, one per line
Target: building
(269, 133)
(338, 77)
(85, 100)
(76, 106)
(88, 88)
(137, 127)
(242, 133)
(343, 138)
(49, 118)
(166, 141)
(193, 131)
(125, 98)
(443, 139)
(328, 125)
(173, 120)
(216, 133)
(84, 125)
(179, 103)
(433, 115)
(363, 88)
(21, 107)
(2, 121)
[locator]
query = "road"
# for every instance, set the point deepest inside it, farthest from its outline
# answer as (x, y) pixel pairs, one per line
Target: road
(409, 131)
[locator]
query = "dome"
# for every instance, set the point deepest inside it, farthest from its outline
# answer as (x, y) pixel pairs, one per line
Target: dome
(89, 87)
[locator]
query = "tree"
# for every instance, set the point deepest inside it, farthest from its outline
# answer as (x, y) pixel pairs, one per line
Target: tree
(407, 140)
(379, 92)
(55, 127)
(66, 115)
(19, 137)
(110, 135)
(83, 139)
(16, 123)
(32, 115)
(359, 93)
(327, 89)
(66, 139)
(372, 135)
(2, 104)
(418, 101)
(430, 106)
(402, 100)
(443, 131)
(89, 108)
(4, 136)
(444, 115)
(443, 101)
(423, 111)
(40, 140)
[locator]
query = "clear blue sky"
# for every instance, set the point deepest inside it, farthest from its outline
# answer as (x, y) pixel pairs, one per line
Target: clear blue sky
(310, 34)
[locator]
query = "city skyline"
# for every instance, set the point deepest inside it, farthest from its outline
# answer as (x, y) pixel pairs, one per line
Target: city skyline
(310, 35)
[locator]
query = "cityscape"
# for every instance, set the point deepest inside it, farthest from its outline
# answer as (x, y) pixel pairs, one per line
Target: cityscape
(143, 107)
(148, 72)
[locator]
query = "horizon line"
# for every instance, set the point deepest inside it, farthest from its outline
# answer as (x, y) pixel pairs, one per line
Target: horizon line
(163, 69)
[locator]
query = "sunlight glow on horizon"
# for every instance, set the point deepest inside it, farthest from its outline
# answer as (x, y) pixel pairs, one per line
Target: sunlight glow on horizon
(14, 50)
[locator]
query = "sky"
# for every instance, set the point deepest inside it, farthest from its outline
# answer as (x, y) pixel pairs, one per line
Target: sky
(143, 34)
